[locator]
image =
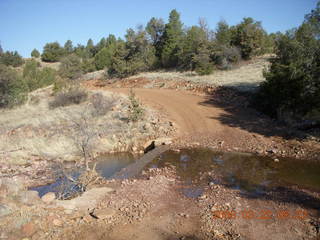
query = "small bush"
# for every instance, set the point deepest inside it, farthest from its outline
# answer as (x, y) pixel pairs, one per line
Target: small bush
(225, 57)
(88, 65)
(68, 97)
(136, 112)
(35, 77)
(59, 84)
(101, 105)
(52, 52)
(204, 68)
(202, 61)
(11, 59)
(12, 87)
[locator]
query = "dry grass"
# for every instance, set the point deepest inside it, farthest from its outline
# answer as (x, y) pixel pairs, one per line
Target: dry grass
(34, 130)
(245, 77)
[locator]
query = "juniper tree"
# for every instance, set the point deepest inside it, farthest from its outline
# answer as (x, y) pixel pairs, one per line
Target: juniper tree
(52, 52)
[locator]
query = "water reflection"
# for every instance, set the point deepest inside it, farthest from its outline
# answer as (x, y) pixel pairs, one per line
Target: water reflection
(243, 171)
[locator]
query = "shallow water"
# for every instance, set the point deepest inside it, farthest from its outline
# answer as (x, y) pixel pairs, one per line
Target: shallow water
(243, 171)
(247, 172)
(107, 165)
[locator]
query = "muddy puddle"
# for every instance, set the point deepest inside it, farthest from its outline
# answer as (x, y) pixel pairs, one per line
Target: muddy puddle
(107, 166)
(246, 172)
(196, 168)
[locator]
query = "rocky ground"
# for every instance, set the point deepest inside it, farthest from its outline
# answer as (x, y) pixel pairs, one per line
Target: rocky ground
(188, 111)
(152, 206)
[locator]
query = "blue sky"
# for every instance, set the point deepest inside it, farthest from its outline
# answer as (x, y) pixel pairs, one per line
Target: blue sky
(28, 24)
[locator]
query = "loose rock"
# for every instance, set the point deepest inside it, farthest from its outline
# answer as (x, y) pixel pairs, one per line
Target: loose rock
(48, 197)
(103, 213)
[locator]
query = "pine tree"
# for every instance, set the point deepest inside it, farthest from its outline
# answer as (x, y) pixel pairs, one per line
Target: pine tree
(223, 33)
(249, 37)
(194, 38)
(171, 40)
(155, 28)
(103, 58)
(68, 47)
(90, 48)
(35, 53)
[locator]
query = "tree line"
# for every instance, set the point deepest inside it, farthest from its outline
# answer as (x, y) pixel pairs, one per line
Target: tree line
(161, 45)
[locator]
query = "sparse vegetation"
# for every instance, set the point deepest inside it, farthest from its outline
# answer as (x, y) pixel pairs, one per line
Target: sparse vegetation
(135, 111)
(11, 59)
(71, 95)
(100, 104)
(35, 77)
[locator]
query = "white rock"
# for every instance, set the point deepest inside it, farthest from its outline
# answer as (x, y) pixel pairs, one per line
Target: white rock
(48, 197)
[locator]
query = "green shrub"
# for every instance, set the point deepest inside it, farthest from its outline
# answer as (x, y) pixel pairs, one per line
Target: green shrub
(12, 87)
(59, 84)
(133, 56)
(52, 52)
(71, 67)
(11, 59)
(88, 65)
(35, 77)
(136, 112)
(292, 83)
(72, 95)
(225, 56)
(204, 68)
(248, 36)
(103, 58)
(202, 61)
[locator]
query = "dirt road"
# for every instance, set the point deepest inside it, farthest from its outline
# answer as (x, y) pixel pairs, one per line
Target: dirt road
(186, 110)
(220, 120)
(200, 120)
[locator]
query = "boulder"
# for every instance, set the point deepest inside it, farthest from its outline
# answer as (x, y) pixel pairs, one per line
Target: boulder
(48, 197)
(103, 213)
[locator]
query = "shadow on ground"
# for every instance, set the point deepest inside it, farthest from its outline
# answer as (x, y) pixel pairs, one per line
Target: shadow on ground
(239, 114)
